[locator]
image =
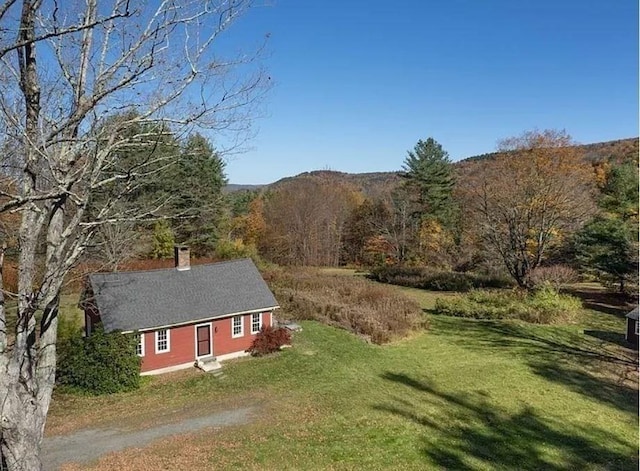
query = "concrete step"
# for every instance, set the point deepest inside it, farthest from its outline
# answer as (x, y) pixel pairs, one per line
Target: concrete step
(209, 365)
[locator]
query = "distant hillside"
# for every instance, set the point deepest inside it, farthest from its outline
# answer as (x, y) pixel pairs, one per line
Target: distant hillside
(621, 150)
(373, 184)
(231, 187)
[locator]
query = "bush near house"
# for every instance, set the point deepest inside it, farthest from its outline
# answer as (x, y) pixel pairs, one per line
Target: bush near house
(99, 364)
(427, 278)
(269, 340)
(543, 306)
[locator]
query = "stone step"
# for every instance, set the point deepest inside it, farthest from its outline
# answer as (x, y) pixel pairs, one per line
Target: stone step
(209, 365)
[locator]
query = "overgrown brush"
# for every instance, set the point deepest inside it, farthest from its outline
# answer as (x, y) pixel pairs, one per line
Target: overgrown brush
(377, 312)
(543, 306)
(426, 278)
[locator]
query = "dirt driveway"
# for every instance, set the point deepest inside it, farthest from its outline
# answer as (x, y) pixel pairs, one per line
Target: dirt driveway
(90, 444)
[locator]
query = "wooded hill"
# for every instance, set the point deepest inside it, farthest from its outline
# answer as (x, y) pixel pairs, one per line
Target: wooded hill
(372, 184)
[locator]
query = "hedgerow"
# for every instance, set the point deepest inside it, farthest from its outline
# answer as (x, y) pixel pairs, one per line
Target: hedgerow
(426, 278)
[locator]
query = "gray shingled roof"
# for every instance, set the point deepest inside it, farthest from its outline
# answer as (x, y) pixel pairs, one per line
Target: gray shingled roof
(146, 299)
(634, 314)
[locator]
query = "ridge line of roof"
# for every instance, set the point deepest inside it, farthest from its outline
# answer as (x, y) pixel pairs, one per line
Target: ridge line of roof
(223, 262)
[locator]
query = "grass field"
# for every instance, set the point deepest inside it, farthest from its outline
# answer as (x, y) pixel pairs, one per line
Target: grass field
(465, 395)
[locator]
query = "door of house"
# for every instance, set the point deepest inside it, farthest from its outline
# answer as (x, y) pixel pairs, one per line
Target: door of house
(203, 340)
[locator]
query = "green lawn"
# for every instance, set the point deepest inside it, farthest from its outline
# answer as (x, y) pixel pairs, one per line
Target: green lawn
(465, 395)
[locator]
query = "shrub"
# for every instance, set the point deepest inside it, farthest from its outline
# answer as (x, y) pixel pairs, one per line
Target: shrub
(269, 340)
(555, 276)
(374, 311)
(233, 249)
(425, 278)
(99, 364)
(544, 306)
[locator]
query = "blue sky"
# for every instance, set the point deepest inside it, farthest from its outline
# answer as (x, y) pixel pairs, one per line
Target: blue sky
(357, 83)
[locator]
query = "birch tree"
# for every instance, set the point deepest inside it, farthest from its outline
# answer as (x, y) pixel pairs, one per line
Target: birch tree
(66, 68)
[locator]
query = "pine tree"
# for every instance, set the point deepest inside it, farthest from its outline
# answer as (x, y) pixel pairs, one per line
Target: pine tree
(429, 176)
(197, 188)
(608, 244)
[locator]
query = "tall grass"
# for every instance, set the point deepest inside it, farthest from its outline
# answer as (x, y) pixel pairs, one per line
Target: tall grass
(377, 312)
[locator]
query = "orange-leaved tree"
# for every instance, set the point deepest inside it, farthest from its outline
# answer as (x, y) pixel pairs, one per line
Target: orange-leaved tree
(532, 194)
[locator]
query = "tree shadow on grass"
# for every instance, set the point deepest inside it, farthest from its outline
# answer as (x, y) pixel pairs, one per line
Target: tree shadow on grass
(601, 300)
(466, 432)
(589, 365)
(616, 338)
(600, 389)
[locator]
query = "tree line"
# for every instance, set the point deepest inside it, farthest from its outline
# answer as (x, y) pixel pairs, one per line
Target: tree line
(537, 202)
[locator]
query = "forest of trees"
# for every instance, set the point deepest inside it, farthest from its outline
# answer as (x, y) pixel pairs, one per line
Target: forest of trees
(539, 202)
(567, 208)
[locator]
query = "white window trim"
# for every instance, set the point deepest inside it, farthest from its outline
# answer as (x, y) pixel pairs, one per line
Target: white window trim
(241, 334)
(141, 342)
(168, 341)
(259, 322)
(195, 339)
(637, 329)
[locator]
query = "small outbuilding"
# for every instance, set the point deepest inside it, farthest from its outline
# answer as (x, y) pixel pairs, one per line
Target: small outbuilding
(182, 316)
(632, 327)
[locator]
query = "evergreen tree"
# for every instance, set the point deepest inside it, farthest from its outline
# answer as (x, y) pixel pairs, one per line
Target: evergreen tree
(197, 186)
(620, 192)
(608, 246)
(429, 176)
(137, 177)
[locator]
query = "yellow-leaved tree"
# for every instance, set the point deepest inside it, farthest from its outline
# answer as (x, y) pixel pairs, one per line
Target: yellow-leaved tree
(537, 189)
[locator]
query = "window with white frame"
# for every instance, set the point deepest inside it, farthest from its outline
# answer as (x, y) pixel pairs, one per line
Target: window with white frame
(256, 322)
(236, 327)
(140, 345)
(637, 328)
(163, 341)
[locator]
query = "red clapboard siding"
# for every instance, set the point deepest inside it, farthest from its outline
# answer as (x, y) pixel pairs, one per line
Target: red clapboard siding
(224, 343)
(183, 342)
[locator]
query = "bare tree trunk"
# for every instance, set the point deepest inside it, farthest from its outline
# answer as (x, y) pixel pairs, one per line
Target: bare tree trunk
(22, 416)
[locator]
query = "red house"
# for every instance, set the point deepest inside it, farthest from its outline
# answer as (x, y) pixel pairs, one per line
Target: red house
(182, 315)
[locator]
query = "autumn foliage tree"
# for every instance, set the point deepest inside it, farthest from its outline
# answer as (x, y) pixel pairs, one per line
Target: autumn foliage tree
(305, 219)
(533, 193)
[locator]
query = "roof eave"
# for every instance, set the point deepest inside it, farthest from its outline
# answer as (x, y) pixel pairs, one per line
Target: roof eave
(197, 321)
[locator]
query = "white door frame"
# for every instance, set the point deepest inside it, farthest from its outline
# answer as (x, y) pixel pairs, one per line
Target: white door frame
(195, 336)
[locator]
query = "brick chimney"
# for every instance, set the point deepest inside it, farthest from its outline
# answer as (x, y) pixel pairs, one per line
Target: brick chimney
(182, 257)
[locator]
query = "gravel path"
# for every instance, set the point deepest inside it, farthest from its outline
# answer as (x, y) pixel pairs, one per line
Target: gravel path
(89, 444)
